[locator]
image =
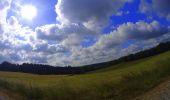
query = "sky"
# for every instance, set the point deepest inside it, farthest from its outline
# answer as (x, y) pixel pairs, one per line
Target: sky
(80, 32)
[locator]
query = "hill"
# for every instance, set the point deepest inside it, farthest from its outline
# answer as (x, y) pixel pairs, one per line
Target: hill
(47, 69)
(123, 81)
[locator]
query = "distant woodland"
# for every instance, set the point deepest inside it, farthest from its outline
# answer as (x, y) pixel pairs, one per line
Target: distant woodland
(47, 69)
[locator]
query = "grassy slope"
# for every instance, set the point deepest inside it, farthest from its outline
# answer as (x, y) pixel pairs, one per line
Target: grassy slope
(123, 81)
(160, 92)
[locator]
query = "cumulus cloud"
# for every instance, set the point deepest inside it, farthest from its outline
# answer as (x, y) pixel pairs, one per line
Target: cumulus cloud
(108, 46)
(4, 6)
(61, 43)
(14, 38)
(88, 12)
(57, 32)
(140, 30)
(160, 7)
(137, 31)
(1, 29)
(13, 21)
(49, 32)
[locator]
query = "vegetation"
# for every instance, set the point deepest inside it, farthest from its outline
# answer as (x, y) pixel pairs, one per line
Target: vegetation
(119, 82)
(47, 69)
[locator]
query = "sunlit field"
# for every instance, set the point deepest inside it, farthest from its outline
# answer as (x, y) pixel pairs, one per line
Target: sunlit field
(119, 82)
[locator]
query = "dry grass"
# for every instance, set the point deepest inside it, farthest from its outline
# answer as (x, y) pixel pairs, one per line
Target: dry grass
(124, 82)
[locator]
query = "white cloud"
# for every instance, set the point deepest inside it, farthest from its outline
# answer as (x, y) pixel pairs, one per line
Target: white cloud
(137, 31)
(4, 6)
(88, 12)
(160, 7)
(108, 46)
(60, 44)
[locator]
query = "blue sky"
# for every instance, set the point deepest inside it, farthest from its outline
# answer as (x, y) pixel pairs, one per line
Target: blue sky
(62, 32)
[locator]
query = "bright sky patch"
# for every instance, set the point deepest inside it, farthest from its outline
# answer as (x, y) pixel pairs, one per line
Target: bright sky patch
(63, 32)
(28, 12)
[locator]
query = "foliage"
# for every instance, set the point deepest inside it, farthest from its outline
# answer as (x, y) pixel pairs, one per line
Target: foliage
(119, 82)
(47, 69)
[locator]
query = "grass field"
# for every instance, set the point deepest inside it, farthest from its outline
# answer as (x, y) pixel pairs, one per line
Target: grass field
(119, 82)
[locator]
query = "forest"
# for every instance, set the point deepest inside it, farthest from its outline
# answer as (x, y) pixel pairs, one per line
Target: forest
(47, 69)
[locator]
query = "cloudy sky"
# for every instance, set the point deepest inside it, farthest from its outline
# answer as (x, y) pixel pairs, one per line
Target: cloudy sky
(80, 32)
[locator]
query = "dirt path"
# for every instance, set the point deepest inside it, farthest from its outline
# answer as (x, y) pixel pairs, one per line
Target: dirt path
(161, 92)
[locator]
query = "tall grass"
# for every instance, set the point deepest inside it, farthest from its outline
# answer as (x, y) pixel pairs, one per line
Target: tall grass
(138, 83)
(27, 92)
(126, 82)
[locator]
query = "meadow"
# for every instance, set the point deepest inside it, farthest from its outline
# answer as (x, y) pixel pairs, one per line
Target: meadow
(124, 81)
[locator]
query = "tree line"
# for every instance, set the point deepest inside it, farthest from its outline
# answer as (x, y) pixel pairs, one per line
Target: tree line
(47, 69)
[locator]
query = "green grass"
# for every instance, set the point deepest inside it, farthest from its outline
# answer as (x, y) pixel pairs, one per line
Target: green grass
(119, 82)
